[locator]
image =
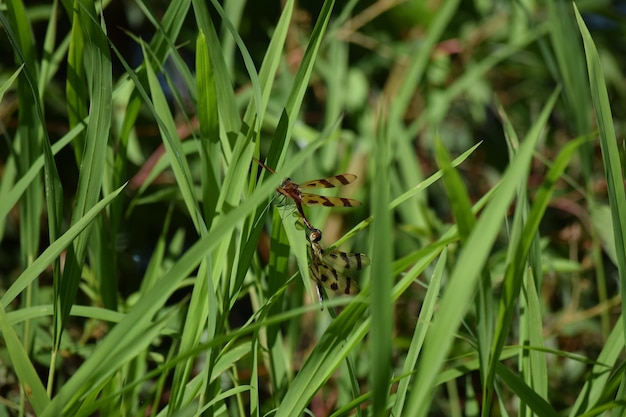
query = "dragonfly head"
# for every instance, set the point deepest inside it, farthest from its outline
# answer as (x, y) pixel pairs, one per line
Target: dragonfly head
(315, 236)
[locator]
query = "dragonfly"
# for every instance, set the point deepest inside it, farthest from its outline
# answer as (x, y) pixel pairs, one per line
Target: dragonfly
(328, 267)
(293, 190)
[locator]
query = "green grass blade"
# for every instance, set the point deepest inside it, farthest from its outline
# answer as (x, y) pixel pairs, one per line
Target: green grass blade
(595, 388)
(9, 174)
(24, 368)
(464, 277)
(173, 146)
(54, 250)
(98, 60)
(538, 405)
(208, 117)
(75, 88)
(29, 131)
(288, 118)
(521, 246)
(425, 320)
(382, 279)
(229, 114)
(613, 169)
(15, 193)
(535, 364)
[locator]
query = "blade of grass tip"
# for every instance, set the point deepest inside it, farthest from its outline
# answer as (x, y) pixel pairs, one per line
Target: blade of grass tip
(610, 152)
(51, 58)
(422, 186)
(432, 179)
(382, 281)
(457, 194)
(570, 58)
(457, 298)
(9, 82)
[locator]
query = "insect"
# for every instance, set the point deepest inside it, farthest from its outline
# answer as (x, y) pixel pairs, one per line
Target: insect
(327, 267)
(290, 189)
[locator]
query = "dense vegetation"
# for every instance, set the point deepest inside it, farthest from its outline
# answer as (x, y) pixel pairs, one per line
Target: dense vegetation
(149, 268)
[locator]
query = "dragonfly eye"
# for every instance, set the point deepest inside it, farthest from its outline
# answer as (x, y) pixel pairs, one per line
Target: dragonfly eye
(315, 236)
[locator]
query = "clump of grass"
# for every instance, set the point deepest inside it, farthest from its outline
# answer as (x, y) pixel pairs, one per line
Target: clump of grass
(148, 278)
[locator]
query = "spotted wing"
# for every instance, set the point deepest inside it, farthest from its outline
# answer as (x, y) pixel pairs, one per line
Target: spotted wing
(330, 182)
(330, 278)
(344, 261)
(321, 200)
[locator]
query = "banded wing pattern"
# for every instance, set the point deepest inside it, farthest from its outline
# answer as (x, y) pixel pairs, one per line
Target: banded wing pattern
(293, 190)
(320, 200)
(327, 267)
(330, 182)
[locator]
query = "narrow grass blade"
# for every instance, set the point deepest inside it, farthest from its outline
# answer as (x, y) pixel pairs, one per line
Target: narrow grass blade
(209, 128)
(382, 278)
(595, 388)
(613, 169)
(90, 178)
(289, 116)
(419, 335)
(24, 368)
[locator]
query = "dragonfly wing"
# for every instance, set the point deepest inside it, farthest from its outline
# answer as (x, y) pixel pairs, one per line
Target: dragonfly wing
(321, 200)
(333, 280)
(343, 260)
(330, 182)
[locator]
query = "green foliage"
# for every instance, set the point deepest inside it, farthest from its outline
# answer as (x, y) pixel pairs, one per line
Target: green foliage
(143, 275)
